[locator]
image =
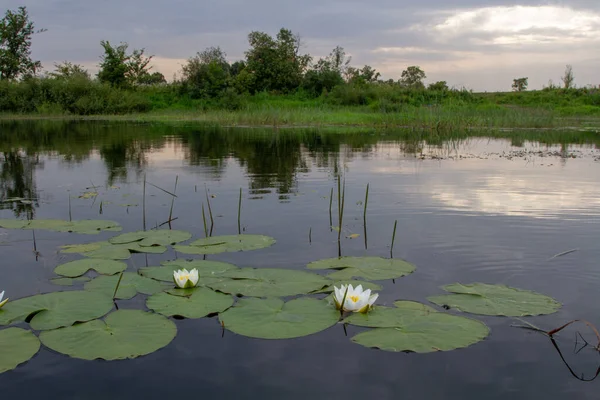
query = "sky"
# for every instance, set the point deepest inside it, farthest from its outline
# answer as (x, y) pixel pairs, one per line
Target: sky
(478, 45)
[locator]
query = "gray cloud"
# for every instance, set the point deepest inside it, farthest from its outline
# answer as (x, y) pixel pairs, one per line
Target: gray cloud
(473, 52)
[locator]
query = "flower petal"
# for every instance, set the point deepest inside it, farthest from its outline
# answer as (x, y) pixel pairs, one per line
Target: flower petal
(3, 302)
(1, 295)
(373, 299)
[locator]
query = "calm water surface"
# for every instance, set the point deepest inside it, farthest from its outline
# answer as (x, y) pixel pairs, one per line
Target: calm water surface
(469, 209)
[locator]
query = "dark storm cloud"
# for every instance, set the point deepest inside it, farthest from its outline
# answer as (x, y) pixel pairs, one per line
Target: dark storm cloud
(177, 29)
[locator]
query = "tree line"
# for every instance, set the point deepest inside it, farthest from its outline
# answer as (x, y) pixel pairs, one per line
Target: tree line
(273, 64)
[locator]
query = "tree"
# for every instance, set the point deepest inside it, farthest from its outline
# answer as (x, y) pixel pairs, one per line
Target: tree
(327, 73)
(520, 84)
(120, 69)
(138, 68)
(155, 78)
(439, 86)
(568, 78)
(412, 77)
(68, 70)
(276, 63)
(364, 75)
(207, 73)
(15, 45)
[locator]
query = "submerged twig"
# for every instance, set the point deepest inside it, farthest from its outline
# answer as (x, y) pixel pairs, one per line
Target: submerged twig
(564, 253)
(212, 221)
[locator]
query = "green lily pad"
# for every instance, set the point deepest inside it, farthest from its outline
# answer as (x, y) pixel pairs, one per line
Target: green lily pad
(69, 281)
(130, 285)
(200, 303)
(207, 270)
(222, 244)
(369, 268)
(273, 319)
(55, 310)
(269, 282)
(365, 285)
(123, 334)
(16, 346)
(386, 317)
(108, 251)
(161, 237)
(424, 333)
(90, 227)
(485, 299)
(413, 305)
(77, 268)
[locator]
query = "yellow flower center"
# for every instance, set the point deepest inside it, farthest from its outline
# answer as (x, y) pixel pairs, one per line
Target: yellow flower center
(184, 277)
(354, 299)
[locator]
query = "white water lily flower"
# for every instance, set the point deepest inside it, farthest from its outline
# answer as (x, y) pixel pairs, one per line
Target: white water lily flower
(2, 302)
(185, 279)
(357, 300)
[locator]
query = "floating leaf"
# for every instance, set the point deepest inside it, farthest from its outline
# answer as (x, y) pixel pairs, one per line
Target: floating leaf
(422, 332)
(365, 285)
(69, 281)
(130, 285)
(221, 244)
(16, 346)
(387, 317)
(161, 237)
(123, 334)
(200, 303)
(55, 310)
(269, 282)
(485, 299)
(370, 268)
(77, 268)
(413, 305)
(207, 270)
(274, 319)
(108, 251)
(89, 227)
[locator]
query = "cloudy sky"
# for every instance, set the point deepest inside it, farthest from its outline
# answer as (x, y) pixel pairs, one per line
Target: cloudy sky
(481, 47)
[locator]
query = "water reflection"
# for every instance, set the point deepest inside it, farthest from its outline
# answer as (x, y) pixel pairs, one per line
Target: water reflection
(273, 159)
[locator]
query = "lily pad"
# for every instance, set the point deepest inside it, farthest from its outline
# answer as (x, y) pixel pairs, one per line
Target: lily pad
(161, 237)
(55, 310)
(16, 346)
(269, 282)
(222, 244)
(365, 285)
(424, 333)
(130, 285)
(413, 305)
(200, 303)
(369, 268)
(273, 319)
(108, 251)
(69, 281)
(207, 270)
(386, 317)
(485, 299)
(123, 334)
(77, 268)
(90, 227)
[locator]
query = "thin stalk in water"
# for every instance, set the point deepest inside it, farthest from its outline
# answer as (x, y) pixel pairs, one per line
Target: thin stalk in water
(330, 204)
(204, 220)
(240, 213)
(310, 235)
(117, 287)
(365, 216)
(341, 206)
(70, 218)
(210, 214)
(393, 238)
(144, 203)
(173, 198)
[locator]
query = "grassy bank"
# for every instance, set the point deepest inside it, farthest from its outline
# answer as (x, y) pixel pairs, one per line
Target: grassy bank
(371, 105)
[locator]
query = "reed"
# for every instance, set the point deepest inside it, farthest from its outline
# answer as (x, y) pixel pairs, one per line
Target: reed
(240, 213)
(393, 238)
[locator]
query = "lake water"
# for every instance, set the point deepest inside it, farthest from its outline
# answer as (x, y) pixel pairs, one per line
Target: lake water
(470, 208)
